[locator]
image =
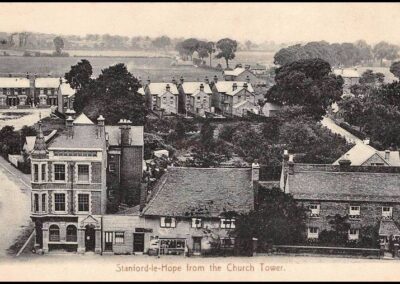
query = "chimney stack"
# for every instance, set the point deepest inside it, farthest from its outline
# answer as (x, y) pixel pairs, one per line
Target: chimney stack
(245, 86)
(366, 141)
(182, 80)
(255, 171)
(234, 86)
(148, 81)
(69, 123)
(173, 80)
(167, 87)
(125, 126)
(206, 80)
(247, 79)
(215, 79)
(344, 164)
(202, 87)
(291, 165)
(101, 127)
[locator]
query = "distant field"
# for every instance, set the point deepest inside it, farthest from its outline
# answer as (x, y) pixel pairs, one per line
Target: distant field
(157, 68)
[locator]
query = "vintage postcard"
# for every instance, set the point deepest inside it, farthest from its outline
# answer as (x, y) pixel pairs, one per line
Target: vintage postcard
(199, 141)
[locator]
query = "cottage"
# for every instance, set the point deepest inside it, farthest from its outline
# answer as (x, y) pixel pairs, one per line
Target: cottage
(14, 92)
(189, 209)
(162, 97)
(195, 97)
(234, 98)
(368, 195)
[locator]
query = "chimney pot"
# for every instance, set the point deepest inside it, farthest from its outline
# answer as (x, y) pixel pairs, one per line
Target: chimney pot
(344, 164)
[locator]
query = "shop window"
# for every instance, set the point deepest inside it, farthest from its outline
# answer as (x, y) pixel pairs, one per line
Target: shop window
(54, 233)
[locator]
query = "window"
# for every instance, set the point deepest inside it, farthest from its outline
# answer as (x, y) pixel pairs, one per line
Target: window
(108, 241)
(167, 222)
(196, 223)
(354, 211)
(44, 202)
(227, 242)
(198, 98)
(35, 172)
(353, 234)
(71, 234)
(59, 172)
(54, 233)
(36, 203)
(315, 208)
(83, 173)
(43, 172)
(83, 202)
(387, 211)
(59, 202)
(119, 237)
(313, 233)
(111, 167)
(227, 223)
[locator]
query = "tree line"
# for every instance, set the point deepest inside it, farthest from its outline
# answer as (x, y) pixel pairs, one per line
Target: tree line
(339, 54)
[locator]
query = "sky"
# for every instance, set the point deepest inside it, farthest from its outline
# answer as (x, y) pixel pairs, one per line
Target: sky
(279, 22)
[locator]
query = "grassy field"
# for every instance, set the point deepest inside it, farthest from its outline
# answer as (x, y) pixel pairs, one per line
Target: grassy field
(155, 68)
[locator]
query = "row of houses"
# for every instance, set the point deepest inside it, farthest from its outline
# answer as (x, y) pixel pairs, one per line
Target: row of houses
(76, 172)
(42, 92)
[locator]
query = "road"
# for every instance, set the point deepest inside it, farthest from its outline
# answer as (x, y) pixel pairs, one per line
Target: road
(332, 126)
(14, 204)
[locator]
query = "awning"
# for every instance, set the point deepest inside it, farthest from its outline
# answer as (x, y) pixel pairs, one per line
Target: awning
(388, 228)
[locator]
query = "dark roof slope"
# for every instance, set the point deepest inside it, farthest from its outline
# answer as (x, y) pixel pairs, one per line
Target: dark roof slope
(84, 136)
(345, 186)
(202, 192)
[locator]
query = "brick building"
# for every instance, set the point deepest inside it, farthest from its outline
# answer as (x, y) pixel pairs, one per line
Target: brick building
(189, 209)
(368, 195)
(69, 181)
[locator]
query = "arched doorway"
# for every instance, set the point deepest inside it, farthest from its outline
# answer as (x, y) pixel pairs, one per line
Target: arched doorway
(90, 238)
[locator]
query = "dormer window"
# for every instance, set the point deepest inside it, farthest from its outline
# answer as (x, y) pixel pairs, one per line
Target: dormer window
(315, 209)
(387, 212)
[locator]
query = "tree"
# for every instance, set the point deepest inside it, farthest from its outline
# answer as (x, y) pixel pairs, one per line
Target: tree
(337, 236)
(210, 47)
(227, 48)
(395, 69)
(80, 75)
(371, 78)
(188, 47)
(308, 83)
(276, 219)
(114, 95)
(384, 50)
(207, 135)
(162, 42)
(58, 44)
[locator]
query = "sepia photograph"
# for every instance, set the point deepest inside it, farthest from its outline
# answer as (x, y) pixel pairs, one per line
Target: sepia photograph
(199, 141)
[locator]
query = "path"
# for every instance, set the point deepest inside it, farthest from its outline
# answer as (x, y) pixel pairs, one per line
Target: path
(332, 126)
(30, 117)
(14, 204)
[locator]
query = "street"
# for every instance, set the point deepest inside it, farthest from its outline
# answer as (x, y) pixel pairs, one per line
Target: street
(14, 204)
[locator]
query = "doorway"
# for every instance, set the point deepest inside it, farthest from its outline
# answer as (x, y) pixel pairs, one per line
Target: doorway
(90, 238)
(138, 242)
(196, 245)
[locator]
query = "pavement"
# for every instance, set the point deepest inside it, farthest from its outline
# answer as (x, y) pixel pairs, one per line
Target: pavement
(14, 204)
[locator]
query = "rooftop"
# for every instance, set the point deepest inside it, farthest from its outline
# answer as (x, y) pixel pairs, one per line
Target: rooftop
(329, 182)
(227, 86)
(47, 82)
(14, 82)
(235, 72)
(161, 88)
(347, 73)
(202, 192)
(192, 87)
(114, 135)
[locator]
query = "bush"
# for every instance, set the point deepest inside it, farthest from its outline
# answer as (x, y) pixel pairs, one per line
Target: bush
(353, 131)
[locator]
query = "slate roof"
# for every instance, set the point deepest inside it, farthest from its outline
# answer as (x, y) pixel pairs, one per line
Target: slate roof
(202, 192)
(47, 82)
(192, 87)
(361, 152)
(160, 88)
(30, 141)
(114, 135)
(82, 119)
(227, 86)
(387, 228)
(345, 186)
(84, 137)
(14, 83)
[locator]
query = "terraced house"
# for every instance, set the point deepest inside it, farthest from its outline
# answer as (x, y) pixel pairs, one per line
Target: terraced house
(15, 92)
(195, 97)
(162, 97)
(368, 195)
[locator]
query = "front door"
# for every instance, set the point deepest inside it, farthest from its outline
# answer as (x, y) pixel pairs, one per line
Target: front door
(138, 242)
(90, 239)
(196, 245)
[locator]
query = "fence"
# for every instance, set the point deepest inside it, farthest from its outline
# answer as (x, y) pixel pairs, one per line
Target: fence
(344, 251)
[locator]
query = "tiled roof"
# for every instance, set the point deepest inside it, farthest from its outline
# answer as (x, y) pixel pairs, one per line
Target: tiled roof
(202, 192)
(160, 88)
(84, 136)
(14, 83)
(114, 135)
(47, 82)
(345, 186)
(192, 87)
(346, 73)
(227, 86)
(388, 228)
(235, 72)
